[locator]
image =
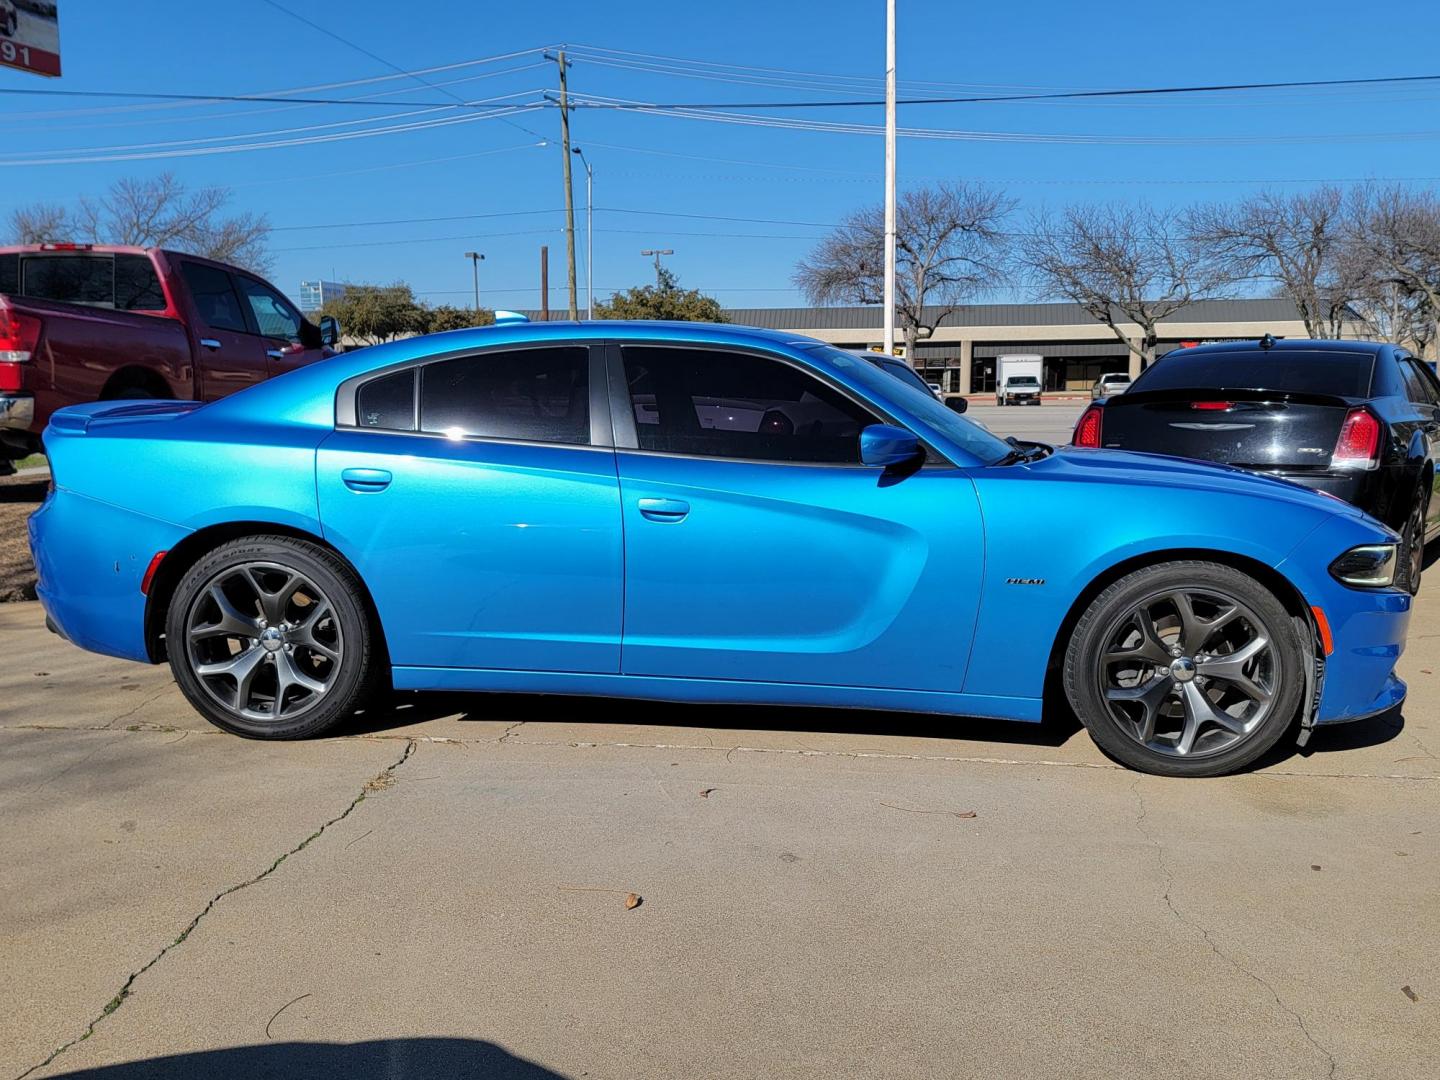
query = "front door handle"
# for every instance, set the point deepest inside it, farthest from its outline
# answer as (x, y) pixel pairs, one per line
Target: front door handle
(275, 354)
(210, 343)
(666, 510)
(365, 480)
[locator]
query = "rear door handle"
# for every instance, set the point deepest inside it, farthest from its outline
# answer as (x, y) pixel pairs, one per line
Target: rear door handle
(275, 354)
(666, 510)
(364, 480)
(209, 343)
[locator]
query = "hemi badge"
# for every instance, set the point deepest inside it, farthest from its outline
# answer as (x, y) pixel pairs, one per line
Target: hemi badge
(1024, 581)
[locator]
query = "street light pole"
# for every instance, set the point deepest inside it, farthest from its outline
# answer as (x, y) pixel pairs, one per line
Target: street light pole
(475, 260)
(589, 234)
(657, 252)
(890, 180)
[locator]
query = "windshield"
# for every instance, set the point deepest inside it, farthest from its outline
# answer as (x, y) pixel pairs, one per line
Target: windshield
(1341, 374)
(966, 434)
(1022, 380)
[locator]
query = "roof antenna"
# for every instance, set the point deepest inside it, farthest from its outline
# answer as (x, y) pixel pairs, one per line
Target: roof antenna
(1267, 342)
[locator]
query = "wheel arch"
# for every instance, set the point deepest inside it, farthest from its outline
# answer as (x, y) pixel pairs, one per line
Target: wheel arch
(1284, 589)
(194, 547)
(134, 375)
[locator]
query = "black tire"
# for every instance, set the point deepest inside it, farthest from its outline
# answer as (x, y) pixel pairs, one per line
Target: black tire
(1412, 543)
(1147, 589)
(349, 682)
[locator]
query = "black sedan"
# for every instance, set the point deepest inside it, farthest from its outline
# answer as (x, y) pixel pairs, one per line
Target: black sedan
(1359, 420)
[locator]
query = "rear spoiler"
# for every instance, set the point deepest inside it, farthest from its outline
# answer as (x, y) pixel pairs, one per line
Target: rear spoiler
(78, 419)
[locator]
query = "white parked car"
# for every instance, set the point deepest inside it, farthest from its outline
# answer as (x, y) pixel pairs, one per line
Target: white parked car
(1115, 382)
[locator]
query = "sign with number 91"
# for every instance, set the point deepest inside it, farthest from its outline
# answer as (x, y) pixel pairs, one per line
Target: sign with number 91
(30, 36)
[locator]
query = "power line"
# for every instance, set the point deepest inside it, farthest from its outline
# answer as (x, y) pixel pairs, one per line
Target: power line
(380, 59)
(1064, 95)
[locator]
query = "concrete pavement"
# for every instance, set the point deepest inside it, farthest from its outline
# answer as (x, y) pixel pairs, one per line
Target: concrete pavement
(441, 891)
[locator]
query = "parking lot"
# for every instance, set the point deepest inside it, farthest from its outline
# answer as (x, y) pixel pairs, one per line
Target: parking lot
(444, 889)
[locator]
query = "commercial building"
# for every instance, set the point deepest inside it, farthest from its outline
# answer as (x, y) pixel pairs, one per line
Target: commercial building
(314, 295)
(961, 353)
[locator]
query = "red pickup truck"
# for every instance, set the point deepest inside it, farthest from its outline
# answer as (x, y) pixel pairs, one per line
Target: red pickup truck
(86, 322)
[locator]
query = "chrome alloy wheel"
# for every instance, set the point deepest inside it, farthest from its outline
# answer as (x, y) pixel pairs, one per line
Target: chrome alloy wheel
(264, 641)
(1189, 672)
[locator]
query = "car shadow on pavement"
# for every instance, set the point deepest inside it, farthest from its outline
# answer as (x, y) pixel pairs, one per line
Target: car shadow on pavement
(393, 1059)
(413, 708)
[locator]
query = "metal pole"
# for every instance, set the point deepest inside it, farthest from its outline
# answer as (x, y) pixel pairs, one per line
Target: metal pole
(589, 233)
(544, 283)
(890, 179)
(475, 259)
(569, 192)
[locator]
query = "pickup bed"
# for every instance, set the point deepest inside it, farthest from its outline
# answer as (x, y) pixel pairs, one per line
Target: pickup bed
(82, 322)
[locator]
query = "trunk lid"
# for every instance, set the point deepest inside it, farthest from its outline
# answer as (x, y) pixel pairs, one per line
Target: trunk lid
(1248, 428)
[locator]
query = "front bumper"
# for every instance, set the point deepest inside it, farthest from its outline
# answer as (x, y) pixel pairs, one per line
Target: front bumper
(1367, 626)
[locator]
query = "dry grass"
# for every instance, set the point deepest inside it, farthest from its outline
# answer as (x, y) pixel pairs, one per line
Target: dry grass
(19, 496)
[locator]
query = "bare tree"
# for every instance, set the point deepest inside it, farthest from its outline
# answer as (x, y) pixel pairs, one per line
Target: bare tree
(948, 246)
(155, 212)
(1121, 264)
(1395, 240)
(1296, 240)
(40, 223)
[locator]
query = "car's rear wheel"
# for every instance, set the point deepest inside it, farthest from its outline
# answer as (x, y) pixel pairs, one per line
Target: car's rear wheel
(1412, 543)
(1186, 669)
(269, 638)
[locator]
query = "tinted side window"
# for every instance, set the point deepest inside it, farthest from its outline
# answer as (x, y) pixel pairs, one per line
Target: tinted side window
(215, 297)
(137, 286)
(534, 395)
(737, 405)
(10, 274)
(274, 316)
(1419, 372)
(69, 279)
(387, 403)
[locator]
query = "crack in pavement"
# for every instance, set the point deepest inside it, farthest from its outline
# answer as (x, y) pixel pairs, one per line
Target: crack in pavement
(509, 731)
(370, 786)
(1205, 932)
(149, 699)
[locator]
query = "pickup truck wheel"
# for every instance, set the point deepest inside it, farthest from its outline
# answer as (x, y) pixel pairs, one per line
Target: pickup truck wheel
(269, 638)
(1186, 669)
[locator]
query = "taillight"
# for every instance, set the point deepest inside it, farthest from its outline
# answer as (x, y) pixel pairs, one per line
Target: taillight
(19, 334)
(1087, 431)
(1358, 446)
(1214, 406)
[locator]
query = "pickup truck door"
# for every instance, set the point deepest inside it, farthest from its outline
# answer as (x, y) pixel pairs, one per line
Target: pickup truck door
(290, 341)
(228, 356)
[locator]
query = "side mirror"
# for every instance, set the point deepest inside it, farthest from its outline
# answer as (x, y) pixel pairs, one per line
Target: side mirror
(884, 444)
(956, 403)
(329, 331)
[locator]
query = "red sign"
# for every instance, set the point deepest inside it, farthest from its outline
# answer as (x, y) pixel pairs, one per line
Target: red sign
(30, 36)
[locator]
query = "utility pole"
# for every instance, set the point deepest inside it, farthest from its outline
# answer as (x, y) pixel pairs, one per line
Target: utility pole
(544, 282)
(890, 180)
(569, 193)
(475, 260)
(657, 252)
(589, 234)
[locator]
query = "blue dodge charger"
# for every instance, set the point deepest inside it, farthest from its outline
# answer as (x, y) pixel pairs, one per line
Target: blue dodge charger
(700, 513)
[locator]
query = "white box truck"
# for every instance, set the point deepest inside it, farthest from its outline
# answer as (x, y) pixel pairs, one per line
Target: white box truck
(1019, 379)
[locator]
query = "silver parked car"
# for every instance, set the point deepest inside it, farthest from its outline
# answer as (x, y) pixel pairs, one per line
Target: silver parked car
(1108, 385)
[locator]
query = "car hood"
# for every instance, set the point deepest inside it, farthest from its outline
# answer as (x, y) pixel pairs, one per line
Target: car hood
(1085, 465)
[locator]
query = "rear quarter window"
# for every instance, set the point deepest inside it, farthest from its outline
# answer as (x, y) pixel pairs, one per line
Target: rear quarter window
(1339, 374)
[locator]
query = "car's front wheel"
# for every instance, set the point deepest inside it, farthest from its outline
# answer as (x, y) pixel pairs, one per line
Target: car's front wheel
(1186, 669)
(269, 638)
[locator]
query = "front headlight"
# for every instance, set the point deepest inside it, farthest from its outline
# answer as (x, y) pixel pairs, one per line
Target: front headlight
(1370, 566)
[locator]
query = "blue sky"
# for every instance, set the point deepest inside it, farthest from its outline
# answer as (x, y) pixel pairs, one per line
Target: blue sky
(653, 172)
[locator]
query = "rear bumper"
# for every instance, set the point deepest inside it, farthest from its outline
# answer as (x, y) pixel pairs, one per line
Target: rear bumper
(91, 557)
(1373, 491)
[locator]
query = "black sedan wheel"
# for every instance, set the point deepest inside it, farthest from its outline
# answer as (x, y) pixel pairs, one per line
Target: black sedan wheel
(1186, 669)
(268, 637)
(1412, 545)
